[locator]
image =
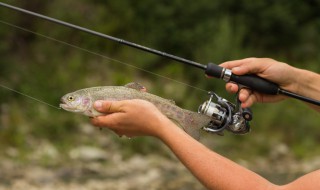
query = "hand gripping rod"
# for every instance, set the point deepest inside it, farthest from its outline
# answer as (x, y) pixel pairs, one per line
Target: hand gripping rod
(253, 82)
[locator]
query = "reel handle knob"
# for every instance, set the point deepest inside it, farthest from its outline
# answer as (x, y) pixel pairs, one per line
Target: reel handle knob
(247, 114)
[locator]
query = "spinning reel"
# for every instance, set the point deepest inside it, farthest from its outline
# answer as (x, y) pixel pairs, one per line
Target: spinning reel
(225, 115)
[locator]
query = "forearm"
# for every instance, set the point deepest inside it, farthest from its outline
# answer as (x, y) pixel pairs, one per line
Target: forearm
(213, 170)
(308, 84)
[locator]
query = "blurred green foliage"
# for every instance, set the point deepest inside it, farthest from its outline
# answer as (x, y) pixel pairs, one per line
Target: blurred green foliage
(201, 30)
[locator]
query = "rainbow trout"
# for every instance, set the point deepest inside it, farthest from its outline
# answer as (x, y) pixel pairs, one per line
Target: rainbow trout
(81, 101)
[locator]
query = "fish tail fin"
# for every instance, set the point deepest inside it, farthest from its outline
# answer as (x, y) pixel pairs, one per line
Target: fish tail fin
(193, 123)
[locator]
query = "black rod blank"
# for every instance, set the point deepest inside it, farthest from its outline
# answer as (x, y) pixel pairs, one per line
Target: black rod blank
(121, 41)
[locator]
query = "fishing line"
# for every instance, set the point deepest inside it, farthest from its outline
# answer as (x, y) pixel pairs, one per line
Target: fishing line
(28, 96)
(100, 55)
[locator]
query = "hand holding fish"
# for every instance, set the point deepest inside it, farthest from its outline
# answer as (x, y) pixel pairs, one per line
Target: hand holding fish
(130, 117)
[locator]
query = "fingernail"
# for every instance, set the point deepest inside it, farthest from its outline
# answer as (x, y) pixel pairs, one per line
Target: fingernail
(231, 88)
(98, 104)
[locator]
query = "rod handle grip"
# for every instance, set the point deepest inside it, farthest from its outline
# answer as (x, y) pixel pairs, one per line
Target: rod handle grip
(251, 81)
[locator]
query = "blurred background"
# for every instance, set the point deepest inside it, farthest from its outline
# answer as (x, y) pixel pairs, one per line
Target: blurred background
(46, 148)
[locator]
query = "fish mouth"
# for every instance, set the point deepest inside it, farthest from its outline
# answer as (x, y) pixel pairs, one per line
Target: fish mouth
(68, 107)
(64, 105)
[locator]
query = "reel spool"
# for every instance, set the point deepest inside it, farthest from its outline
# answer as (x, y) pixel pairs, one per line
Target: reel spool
(225, 115)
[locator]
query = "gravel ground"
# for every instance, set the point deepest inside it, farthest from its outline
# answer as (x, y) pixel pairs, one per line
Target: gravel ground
(138, 172)
(92, 167)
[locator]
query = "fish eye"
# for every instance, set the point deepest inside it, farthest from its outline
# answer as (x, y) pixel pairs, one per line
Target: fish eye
(70, 98)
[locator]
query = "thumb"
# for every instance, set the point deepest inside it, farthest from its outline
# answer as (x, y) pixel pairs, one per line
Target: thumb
(108, 106)
(245, 66)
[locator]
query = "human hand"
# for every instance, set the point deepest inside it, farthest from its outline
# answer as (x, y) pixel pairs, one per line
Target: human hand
(272, 70)
(130, 117)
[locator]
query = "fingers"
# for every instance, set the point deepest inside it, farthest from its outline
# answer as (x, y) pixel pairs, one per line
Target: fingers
(246, 66)
(108, 106)
(235, 63)
(244, 94)
(104, 121)
(238, 67)
(232, 87)
(249, 101)
(110, 122)
(246, 97)
(111, 109)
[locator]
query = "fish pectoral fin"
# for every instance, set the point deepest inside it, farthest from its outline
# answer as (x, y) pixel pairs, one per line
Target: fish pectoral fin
(136, 86)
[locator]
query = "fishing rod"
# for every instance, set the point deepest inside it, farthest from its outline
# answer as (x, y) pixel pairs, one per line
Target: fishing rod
(224, 114)
(253, 82)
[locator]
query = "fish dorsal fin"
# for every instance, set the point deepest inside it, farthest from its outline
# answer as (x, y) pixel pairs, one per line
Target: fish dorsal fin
(172, 101)
(136, 86)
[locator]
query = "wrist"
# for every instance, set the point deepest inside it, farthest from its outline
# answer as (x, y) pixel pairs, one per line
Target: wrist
(162, 127)
(167, 129)
(307, 83)
(297, 78)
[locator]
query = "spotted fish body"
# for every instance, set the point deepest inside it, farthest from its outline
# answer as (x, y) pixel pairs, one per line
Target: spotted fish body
(81, 101)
